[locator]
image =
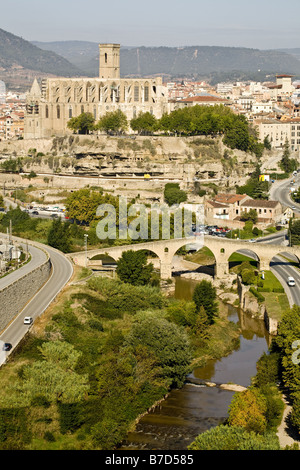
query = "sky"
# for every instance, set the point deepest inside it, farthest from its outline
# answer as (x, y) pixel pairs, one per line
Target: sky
(259, 24)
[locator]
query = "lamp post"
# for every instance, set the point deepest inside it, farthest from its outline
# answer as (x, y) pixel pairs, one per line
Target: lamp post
(85, 247)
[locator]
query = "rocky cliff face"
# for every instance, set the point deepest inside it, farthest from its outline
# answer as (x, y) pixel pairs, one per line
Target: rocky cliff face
(186, 159)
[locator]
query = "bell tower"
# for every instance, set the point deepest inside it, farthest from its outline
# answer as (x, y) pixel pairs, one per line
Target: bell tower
(109, 61)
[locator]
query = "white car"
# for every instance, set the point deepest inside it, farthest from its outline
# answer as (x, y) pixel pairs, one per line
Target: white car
(28, 320)
(291, 281)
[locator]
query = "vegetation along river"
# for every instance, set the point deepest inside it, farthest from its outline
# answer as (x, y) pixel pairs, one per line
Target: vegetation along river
(195, 408)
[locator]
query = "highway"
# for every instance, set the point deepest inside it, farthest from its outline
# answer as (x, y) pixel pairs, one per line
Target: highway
(62, 270)
(281, 192)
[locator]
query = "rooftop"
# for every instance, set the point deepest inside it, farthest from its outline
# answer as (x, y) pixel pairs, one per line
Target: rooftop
(259, 203)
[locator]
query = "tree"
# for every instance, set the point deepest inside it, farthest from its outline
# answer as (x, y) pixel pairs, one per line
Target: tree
(226, 437)
(247, 410)
(83, 124)
(133, 268)
(201, 324)
(168, 342)
(295, 232)
(173, 194)
(287, 164)
(114, 122)
(59, 236)
(267, 143)
(144, 123)
(82, 205)
(205, 296)
(251, 215)
(254, 187)
(288, 333)
(238, 135)
(53, 377)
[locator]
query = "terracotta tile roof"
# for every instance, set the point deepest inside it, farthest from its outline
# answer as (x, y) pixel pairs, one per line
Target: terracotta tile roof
(259, 203)
(230, 198)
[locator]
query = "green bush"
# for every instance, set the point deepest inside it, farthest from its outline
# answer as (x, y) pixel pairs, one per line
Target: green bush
(259, 297)
(127, 298)
(279, 290)
(295, 415)
(267, 369)
(226, 437)
(69, 417)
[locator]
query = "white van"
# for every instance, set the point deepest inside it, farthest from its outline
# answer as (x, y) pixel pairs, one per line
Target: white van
(291, 281)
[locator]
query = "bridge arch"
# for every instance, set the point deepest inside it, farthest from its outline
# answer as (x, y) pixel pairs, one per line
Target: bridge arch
(222, 250)
(240, 256)
(192, 258)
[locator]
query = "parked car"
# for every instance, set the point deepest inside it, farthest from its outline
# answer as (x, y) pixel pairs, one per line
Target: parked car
(6, 347)
(35, 213)
(28, 320)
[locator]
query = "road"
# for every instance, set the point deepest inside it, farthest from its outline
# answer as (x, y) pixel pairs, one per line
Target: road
(281, 192)
(37, 258)
(62, 270)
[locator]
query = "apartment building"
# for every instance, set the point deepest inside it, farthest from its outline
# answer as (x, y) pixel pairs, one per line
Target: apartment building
(267, 211)
(279, 131)
(228, 208)
(225, 207)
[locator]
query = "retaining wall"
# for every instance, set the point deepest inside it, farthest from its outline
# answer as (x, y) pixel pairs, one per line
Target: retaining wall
(14, 297)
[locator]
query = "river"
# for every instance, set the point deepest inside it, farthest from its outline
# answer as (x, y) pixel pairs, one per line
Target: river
(195, 408)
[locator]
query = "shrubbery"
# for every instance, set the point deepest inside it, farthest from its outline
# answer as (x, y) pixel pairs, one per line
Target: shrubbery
(226, 437)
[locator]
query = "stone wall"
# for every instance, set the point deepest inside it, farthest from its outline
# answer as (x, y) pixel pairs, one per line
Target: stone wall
(14, 297)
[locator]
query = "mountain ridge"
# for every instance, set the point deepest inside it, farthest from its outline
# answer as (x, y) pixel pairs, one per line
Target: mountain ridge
(194, 61)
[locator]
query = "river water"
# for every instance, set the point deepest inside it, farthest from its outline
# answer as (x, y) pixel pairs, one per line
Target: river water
(195, 408)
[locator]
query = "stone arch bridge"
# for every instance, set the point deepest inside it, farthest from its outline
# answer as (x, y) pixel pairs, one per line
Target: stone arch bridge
(222, 249)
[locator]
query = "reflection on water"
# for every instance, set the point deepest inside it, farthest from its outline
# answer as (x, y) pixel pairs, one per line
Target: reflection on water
(193, 409)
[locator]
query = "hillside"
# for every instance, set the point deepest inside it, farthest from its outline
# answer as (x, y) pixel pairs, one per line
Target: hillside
(196, 61)
(20, 59)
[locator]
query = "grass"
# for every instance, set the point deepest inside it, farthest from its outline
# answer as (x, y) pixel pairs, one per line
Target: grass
(271, 282)
(276, 304)
(203, 257)
(238, 258)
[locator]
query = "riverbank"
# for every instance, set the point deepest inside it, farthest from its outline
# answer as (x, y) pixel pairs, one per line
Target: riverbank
(203, 402)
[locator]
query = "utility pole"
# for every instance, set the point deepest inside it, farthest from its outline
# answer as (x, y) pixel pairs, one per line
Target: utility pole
(85, 248)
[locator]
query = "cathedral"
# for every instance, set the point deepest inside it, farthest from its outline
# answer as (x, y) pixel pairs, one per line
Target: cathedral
(50, 106)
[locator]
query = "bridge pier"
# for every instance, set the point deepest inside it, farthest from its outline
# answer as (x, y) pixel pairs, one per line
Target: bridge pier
(264, 264)
(165, 270)
(221, 270)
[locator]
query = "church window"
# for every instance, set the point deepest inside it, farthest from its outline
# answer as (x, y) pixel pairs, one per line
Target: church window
(47, 112)
(146, 93)
(58, 111)
(105, 57)
(82, 109)
(136, 93)
(70, 112)
(95, 113)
